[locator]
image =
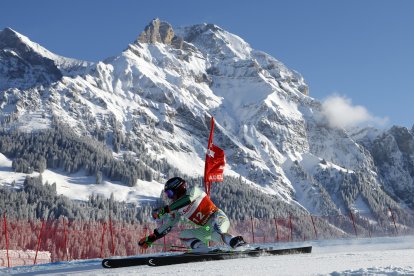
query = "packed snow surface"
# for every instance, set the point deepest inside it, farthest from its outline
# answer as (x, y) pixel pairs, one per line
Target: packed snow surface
(376, 256)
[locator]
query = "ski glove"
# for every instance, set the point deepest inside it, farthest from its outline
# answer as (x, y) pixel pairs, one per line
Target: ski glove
(158, 213)
(146, 242)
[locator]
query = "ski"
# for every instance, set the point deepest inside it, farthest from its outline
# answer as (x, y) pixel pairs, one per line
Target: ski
(222, 255)
(124, 262)
(161, 260)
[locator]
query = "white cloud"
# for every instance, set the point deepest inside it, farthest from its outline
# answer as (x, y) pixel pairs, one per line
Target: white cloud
(341, 113)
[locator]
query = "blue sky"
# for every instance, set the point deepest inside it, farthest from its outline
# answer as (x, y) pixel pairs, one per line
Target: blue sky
(359, 50)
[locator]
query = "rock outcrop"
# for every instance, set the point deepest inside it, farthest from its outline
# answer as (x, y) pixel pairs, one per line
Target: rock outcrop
(157, 31)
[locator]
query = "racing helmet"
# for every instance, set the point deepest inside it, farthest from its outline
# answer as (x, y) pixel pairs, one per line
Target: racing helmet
(175, 188)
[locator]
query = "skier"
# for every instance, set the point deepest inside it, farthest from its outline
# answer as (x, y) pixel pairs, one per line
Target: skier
(196, 206)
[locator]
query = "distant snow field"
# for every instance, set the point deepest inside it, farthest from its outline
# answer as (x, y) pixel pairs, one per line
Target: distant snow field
(78, 186)
(376, 256)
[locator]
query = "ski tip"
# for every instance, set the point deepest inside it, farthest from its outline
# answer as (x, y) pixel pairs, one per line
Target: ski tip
(307, 249)
(106, 263)
(151, 262)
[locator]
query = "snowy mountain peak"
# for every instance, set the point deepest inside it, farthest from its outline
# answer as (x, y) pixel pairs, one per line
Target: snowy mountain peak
(218, 41)
(27, 57)
(23, 63)
(9, 36)
(22, 45)
(12, 41)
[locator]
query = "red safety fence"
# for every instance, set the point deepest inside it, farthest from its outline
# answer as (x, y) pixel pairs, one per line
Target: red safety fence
(75, 239)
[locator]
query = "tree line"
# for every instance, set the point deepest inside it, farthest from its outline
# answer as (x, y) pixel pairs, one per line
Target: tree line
(36, 200)
(60, 148)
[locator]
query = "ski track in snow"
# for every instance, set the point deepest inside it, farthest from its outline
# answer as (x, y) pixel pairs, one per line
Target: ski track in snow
(376, 256)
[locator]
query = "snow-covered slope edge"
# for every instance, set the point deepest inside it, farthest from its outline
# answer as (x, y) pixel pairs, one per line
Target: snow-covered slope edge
(376, 256)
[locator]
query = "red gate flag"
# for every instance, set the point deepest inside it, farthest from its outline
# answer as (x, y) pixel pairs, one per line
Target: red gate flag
(215, 162)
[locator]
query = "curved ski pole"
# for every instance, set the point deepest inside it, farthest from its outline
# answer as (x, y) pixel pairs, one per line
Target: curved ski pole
(169, 245)
(174, 248)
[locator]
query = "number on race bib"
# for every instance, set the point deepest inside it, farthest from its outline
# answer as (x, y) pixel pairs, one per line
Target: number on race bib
(198, 217)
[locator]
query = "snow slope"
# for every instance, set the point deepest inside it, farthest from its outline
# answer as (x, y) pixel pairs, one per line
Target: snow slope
(78, 186)
(377, 256)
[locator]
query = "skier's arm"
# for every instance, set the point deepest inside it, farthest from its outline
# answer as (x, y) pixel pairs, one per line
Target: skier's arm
(167, 223)
(160, 212)
(179, 203)
(146, 241)
(161, 231)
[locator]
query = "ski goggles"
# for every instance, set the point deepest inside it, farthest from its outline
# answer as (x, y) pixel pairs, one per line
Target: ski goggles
(169, 193)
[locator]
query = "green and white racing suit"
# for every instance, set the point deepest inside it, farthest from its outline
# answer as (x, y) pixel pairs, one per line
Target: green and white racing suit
(197, 207)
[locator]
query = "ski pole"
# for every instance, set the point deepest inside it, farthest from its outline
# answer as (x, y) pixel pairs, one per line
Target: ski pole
(169, 245)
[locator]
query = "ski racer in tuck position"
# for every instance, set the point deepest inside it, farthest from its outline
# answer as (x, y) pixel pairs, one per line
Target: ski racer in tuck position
(196, 206)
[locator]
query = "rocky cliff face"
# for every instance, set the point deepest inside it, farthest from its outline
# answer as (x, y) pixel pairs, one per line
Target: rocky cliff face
(163, 89)
(393, 154)
(157, 31)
